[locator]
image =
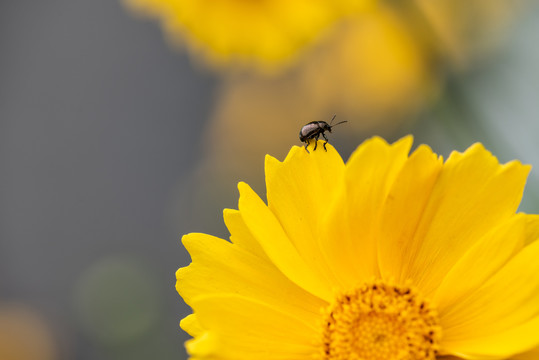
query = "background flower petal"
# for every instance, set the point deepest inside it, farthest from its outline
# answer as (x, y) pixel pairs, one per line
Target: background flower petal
(266, 33)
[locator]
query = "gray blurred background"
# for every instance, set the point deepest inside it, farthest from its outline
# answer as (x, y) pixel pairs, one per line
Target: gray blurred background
(102, 125)
(99, 120)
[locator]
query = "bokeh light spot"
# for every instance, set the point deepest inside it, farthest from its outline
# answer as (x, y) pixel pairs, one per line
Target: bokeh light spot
(117, 300)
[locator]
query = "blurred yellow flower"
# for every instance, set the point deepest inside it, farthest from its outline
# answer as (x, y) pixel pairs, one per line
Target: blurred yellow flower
(390, 256)
(374, 68)
(262, 32)
(380, 69)
(460, 31)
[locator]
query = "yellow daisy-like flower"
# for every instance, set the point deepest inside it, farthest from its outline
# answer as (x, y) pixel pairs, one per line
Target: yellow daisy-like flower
(390, 256)
(264, 32)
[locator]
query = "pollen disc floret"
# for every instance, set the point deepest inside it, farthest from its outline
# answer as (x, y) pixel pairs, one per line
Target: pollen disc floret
(380, 321)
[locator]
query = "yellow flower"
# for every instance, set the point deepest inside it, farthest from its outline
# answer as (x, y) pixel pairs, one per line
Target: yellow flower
(263, 31)
(465, 31)
(390, 256)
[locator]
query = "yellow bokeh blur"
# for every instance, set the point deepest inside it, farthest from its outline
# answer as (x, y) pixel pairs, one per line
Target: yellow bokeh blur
(264, 34)
(24, 335)
(372, 69)
(462, 31)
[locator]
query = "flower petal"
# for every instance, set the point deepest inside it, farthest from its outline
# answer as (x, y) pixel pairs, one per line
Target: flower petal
(472, 194)
(203, 347)
(295, 190)
(242, 328)
(191, 325)
(348, 233)
(404, 207)
(481, 261)
(267, 230)
(533, 354)
(501, 318)
(502, 345)
(219, 267)
(240, 234)
(532, 228)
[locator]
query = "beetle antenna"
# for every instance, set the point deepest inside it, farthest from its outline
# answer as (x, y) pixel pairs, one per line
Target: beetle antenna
(333, 118)
(341, 122)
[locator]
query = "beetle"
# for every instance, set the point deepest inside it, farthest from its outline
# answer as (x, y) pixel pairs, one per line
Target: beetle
(314, 129)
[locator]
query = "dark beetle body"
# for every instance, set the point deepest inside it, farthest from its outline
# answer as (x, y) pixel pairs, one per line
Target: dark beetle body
(313, 130)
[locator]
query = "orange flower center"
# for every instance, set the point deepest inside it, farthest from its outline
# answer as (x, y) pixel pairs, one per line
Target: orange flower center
(380, 321)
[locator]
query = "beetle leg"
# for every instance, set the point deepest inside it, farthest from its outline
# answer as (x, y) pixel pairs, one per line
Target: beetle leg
(316, 141)
(307, 144)
(324, 135)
